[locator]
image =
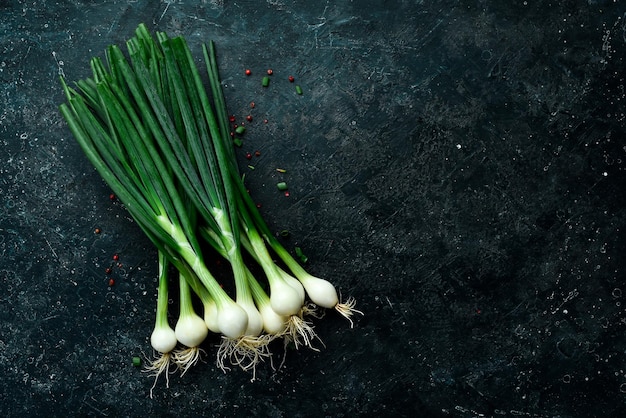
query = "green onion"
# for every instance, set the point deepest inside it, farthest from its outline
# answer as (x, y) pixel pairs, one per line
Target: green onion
(162, 142)
(266, 81)
(300, 254)
(163, 338)
(298, 90)
(191, 330)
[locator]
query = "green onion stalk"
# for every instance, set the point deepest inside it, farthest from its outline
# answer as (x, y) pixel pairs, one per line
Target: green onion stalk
(120, 137)
(210, 158)
(163, 338)
(191, 330)
(321, 292)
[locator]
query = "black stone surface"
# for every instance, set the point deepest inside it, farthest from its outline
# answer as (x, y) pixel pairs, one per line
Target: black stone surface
(457, 166)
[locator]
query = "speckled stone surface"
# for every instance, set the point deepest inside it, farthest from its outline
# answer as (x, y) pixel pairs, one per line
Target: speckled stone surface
(457, 166)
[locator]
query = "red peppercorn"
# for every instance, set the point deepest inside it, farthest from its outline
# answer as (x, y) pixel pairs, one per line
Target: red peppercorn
(231, 118)
(116, 257)
(264, 120)
(249, 118)
(111, 282)
(248, 72)
(108, 270)
(251, 105)
(286, 194)
(97, 230)
(257, 153)
(292, 79)
(112, 196)
(248, 156)
(258, 205)
(270, 72)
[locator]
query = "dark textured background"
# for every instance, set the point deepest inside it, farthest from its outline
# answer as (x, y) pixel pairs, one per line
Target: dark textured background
(457, 166)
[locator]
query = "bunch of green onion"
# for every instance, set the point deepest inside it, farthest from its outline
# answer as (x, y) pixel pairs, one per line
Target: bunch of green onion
(162, 143)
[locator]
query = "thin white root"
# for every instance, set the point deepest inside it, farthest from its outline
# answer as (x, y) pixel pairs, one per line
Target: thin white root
(158, 366)
(245, 352)
(347, 310)
(311, 309)
(186, 358)
(300, 332)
